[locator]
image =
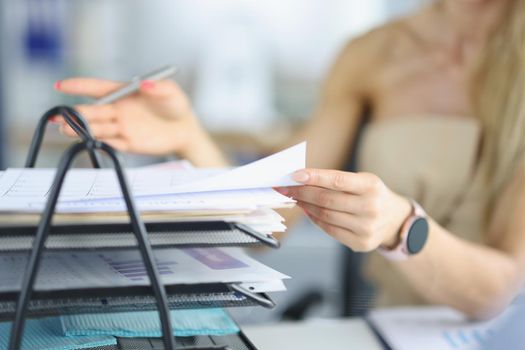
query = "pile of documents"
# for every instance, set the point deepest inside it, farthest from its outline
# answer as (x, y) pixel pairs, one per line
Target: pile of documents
(243, 194)
(170, 192)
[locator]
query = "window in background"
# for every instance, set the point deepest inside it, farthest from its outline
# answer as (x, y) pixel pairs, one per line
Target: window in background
(246, 64)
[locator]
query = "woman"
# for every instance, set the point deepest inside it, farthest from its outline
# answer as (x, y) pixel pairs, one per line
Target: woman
(446, 91)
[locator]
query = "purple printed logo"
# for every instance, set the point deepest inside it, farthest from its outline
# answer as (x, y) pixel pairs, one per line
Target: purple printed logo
(215, 258)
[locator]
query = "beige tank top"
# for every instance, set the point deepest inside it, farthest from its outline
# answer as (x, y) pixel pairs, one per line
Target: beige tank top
(431, 159)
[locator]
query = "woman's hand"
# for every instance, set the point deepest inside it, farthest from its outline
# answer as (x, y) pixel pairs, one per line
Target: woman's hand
(357, 209)
(157, 120)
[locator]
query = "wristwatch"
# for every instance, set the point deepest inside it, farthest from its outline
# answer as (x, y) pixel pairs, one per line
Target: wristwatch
(412, 235)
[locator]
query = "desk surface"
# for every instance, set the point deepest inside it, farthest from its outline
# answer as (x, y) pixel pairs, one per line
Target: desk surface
(314, 335)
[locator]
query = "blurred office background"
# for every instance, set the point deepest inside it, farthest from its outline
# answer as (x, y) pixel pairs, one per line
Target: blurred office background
(248, 66)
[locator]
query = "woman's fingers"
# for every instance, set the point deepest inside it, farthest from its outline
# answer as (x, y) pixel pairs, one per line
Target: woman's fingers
(104, 133)
(326, 198)
(92, 114)
(356, 242)
(118, 143)
(101, 120)
(89, 87)
(347, 237)
(98, 130)
(357, 183)
(159, 89)
(333, 217)
(98, 113)
(105, 130)
(97, 88)
(66, 130)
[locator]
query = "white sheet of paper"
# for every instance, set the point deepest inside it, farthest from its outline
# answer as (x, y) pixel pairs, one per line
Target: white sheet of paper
(432, 328)
(244, 200)
(272, 171)
(93, 190)
(124, 268)
(233, 199)
(90, 183)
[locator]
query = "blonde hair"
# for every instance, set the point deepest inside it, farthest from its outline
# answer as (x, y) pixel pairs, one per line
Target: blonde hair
(499, 99)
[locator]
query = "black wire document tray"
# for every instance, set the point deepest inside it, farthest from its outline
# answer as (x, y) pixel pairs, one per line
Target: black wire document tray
(120, 235)
(26, 242)
(208, 342)
(138, 298)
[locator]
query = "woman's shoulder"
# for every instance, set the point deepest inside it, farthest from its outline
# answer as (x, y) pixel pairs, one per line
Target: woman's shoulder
(365, 58)
(379, 45)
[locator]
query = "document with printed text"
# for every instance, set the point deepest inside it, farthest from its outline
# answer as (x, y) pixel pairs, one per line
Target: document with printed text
(157, 188)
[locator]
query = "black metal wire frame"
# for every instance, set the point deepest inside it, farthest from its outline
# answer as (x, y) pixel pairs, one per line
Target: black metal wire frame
(75, 120)
(264, 302)
(44, 228)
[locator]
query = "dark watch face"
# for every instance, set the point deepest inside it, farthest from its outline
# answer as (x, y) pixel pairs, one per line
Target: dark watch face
(417, 235)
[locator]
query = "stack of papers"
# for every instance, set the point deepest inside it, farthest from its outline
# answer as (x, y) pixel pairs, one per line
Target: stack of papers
(85, 269)
(163, 192)
(169, 192)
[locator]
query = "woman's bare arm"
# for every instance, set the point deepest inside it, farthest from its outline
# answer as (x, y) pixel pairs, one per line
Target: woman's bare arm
(478, 279)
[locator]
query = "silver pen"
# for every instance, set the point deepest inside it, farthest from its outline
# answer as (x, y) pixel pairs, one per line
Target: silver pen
(134, 85)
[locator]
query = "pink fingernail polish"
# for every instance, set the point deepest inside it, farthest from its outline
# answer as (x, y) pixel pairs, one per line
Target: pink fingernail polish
(283, 190)
(301, 176)
(147, 84)
(57, 84)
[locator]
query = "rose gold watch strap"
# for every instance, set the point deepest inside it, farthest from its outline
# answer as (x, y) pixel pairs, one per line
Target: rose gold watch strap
(417, 209)
(400, 251)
